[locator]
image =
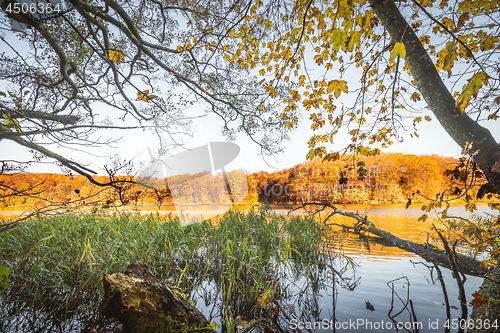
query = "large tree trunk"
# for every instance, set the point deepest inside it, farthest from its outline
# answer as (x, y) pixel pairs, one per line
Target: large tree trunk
(144, 304)
(459, 126)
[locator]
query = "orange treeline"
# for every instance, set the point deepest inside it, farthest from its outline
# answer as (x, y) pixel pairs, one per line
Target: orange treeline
(386, 178)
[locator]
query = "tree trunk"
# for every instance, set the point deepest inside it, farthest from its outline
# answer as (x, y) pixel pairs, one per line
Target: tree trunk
(488, 314)
(459, 126)
(144, 304)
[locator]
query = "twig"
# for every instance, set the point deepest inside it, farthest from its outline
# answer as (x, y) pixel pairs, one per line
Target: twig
(285, 314)
(443, 287)
(415, 321)
(456, 274)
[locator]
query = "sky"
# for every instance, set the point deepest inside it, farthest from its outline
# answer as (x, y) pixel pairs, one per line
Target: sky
(136, 145)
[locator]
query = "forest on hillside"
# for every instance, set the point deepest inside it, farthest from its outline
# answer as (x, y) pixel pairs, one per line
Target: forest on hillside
(385, 178)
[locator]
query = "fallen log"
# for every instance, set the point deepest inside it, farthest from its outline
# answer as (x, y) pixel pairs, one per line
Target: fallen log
(466, 264)
(484, 318)
(144, 304)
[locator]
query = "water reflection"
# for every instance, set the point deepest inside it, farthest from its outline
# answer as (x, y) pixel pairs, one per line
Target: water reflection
(379, 263)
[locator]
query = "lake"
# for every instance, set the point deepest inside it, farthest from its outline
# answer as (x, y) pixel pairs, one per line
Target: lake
(379, 264)
(385, 276)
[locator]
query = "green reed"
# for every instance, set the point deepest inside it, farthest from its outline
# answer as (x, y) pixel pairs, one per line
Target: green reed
(56, 263)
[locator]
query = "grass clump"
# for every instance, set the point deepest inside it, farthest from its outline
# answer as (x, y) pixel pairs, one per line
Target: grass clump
(56, 263)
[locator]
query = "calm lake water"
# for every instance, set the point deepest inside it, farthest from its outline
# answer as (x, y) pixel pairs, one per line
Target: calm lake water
(386, 277)
(379, 264)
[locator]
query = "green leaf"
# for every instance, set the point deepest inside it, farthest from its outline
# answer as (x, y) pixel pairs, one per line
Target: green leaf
(4, 278)
(11, 123)
(337, 39)
(251, 325)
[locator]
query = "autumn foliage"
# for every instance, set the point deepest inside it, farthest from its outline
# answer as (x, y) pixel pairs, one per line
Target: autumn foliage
(385, 178)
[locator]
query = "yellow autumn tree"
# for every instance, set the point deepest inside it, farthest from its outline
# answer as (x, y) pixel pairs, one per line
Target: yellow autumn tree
(378, 65)
(371, 68)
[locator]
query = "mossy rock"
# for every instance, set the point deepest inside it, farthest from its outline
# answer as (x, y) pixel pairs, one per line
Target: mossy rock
(144, 304)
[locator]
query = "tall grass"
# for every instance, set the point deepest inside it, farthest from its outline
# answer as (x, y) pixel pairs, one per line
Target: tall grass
(241, 261)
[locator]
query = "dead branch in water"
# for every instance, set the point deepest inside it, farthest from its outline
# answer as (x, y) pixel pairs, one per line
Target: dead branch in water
(465, 263)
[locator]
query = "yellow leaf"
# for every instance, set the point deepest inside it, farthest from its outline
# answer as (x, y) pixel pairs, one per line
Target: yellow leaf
(355, 40)
(263, 299)
(422, 218)
(496, 223)
(489, 43)
(487, 263)
(295, 95)
(415, 97)
(398, 50)
(447, 57)
(116, 56)
(495, 253)
(471, 231)
(337, 87)
(144, 96)
(478, 299)
(310, 155)
(331, 86)
(471, 90)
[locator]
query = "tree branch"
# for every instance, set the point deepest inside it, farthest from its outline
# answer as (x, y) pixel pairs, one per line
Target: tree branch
(466, 263)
